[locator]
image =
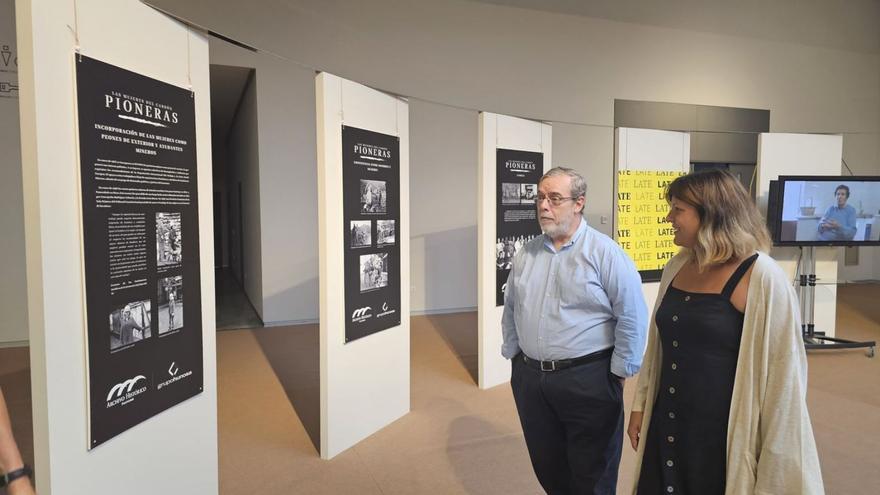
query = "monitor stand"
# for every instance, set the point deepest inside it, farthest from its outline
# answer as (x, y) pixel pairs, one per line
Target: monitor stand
(807, 295)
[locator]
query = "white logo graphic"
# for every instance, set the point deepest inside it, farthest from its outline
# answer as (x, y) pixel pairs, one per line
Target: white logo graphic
(125, 387)
(504, 288)
(360, 313)
(176, 375)
(386, 311)
(142, 121)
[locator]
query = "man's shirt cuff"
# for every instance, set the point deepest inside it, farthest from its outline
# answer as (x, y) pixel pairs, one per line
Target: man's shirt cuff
(623, 369)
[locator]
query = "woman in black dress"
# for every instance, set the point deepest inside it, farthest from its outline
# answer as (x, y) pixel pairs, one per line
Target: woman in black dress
(715, 341)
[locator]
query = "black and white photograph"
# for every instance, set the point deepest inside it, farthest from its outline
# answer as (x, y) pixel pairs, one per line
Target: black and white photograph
(528, 194)
(373, 196)
(169, 247)
(361, 233)
(384, 232)
(510, 193)
(374, 271)
(507, 247)
(170, 304)
(129, 324)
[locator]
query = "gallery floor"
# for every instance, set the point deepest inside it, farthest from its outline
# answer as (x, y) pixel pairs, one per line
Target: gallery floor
(234, 310)
(459, 439)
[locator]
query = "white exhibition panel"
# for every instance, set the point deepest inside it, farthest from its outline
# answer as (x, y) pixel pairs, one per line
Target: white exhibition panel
(365, 384)
(650, 149)
(804, 154)
(497, 131)
(175, 451)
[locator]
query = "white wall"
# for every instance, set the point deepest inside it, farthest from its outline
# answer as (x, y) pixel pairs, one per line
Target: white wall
(243, 166)
(219, 159)
(13, 296)
(495, 58)
(285, 287)
(443, 178)
(801, 154)
(443, 182)
(584, 148)
(176, 451)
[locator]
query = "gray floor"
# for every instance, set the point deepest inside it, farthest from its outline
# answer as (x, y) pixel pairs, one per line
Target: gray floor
(234, 310)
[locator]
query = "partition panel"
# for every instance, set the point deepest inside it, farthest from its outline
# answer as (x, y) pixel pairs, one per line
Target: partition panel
(171, 452)
(365, 360)
(649, 150)
(803, 154)
(513, 136)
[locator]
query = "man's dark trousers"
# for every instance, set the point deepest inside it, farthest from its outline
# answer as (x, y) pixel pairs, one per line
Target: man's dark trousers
(572, 420)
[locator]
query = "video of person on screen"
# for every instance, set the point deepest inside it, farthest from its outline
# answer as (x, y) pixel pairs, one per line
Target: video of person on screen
(830, 211)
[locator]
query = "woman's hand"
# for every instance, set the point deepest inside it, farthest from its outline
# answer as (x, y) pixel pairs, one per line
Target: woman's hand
(634, 428)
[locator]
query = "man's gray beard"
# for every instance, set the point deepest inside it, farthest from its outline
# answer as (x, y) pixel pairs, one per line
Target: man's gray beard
(556, 230)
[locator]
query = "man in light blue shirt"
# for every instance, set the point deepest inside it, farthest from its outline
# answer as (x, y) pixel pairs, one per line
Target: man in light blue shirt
(839, 222)
(574, 325)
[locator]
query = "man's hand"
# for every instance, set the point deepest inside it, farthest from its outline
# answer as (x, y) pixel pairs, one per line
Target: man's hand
(829, 225)
(634, 428)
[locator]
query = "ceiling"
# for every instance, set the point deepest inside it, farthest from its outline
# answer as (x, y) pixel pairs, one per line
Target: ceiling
(840, 24)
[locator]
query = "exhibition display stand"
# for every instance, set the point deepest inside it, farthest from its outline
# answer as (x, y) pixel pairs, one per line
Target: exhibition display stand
(806, 294)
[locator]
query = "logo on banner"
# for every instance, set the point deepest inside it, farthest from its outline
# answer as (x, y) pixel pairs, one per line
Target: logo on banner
(361, 314)
(385, 310)
(175, 374)
(124, 392)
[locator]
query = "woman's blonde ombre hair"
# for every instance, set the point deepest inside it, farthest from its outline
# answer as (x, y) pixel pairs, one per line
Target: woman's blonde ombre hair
(730, 225)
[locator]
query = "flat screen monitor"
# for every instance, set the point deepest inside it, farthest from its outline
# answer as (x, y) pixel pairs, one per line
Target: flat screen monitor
(825, 211)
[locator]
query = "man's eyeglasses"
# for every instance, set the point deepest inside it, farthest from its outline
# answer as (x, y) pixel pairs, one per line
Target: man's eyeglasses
(553, 199)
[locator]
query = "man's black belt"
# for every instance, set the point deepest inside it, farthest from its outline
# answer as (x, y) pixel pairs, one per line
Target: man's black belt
(562, 364)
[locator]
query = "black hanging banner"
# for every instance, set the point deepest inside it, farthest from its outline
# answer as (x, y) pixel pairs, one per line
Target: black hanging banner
(516, 188)
(141, 245)
(371, 211)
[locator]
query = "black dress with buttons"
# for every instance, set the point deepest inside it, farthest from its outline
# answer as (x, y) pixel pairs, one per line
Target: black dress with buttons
(686, 440)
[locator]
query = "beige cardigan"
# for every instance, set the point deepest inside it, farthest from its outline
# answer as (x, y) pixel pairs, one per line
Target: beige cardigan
(770, 445)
